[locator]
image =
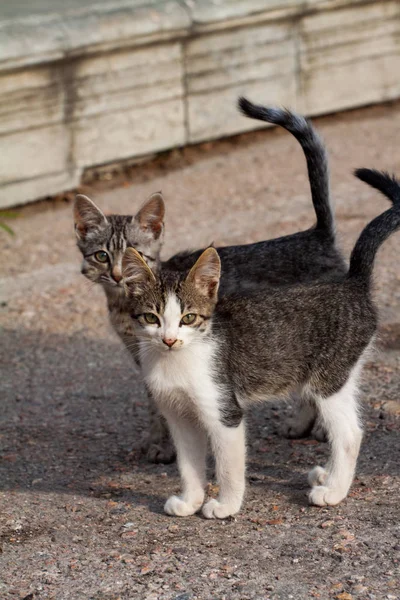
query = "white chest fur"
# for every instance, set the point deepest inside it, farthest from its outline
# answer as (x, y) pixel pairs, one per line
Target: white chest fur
(183, 379)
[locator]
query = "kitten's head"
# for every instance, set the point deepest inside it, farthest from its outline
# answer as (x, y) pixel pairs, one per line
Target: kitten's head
(171, 310)
(103, 239)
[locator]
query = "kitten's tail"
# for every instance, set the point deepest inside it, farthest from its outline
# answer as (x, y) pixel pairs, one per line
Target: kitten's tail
(378, 230)
(314, 151)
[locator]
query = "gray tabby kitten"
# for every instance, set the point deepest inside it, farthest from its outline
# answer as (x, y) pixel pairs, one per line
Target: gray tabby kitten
(103, 240)
(205, 361)
(301, 257)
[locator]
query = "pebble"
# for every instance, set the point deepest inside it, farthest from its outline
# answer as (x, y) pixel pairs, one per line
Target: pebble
(392, 407)
(360, 589)
(327, 524)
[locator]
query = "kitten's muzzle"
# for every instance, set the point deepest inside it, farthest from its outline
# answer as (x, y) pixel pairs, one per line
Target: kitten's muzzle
(169, 342)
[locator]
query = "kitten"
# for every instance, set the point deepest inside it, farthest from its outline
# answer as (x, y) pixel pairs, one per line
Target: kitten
(303, 256)
(205, 361)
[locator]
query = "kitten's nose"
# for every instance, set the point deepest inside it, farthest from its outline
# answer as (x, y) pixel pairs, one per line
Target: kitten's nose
(169, 341)
(116, 274)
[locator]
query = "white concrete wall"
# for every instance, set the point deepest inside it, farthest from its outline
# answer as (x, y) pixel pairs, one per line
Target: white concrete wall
(89, 85)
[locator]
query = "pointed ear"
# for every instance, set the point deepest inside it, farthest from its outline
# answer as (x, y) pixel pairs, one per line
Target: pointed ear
(206, 273)
(87, 216)
(136, 272)
(151, 216)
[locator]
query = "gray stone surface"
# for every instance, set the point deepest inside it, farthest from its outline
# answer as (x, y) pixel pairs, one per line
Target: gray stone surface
(349, 58)
(81, 514)
(87, 83)
(30, 34)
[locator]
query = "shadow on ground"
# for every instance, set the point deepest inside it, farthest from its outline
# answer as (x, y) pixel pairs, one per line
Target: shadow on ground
(74, 410)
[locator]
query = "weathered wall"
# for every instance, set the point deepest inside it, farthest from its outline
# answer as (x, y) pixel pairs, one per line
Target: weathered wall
(86, 86)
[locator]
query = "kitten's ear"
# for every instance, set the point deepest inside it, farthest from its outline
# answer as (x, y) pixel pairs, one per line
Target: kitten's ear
(205, 273)
(87, 216)
(151, 216)
(136, 272)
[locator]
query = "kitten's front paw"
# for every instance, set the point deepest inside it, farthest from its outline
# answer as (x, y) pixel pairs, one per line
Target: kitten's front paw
(322, 495)
(157, 446)
(177, 507)
(319, 433)
(160, 453)
(295, 429)
(213, 509)
(317, 476)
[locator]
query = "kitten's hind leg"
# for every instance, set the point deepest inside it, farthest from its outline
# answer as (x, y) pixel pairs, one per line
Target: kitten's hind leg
(339, 416)
(191, 447)
(229, 448)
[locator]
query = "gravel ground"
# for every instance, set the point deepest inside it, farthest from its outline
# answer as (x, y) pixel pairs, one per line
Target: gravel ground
(80, 510)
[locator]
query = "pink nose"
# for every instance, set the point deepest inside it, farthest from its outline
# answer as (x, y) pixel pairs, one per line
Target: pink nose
(116, 275)
(169, 342)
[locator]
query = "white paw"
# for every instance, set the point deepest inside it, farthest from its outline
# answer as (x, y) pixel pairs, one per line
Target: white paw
(213, 509)
(317, 476)
(321, 495)
(177, 507)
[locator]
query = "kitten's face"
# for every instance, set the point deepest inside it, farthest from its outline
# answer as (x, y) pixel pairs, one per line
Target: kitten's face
(104, 239)
(171, 311)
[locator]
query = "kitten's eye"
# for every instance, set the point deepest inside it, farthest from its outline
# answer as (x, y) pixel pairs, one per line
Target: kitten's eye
(188, 319)
(101, 256)
(151, 318)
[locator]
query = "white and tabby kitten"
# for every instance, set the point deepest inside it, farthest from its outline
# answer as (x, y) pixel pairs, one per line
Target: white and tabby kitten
(304, 256)
(205, 360)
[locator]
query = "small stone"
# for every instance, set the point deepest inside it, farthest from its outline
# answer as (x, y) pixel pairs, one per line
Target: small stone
(275, 522)
(326, 524)
(344, 596)
(146, 569)
(129, 534)
(392, 407)
(359, 588)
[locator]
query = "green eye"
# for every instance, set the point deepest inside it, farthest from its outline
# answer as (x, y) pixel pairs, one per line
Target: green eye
(151, 318)
(188, 319)
(101, 256)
